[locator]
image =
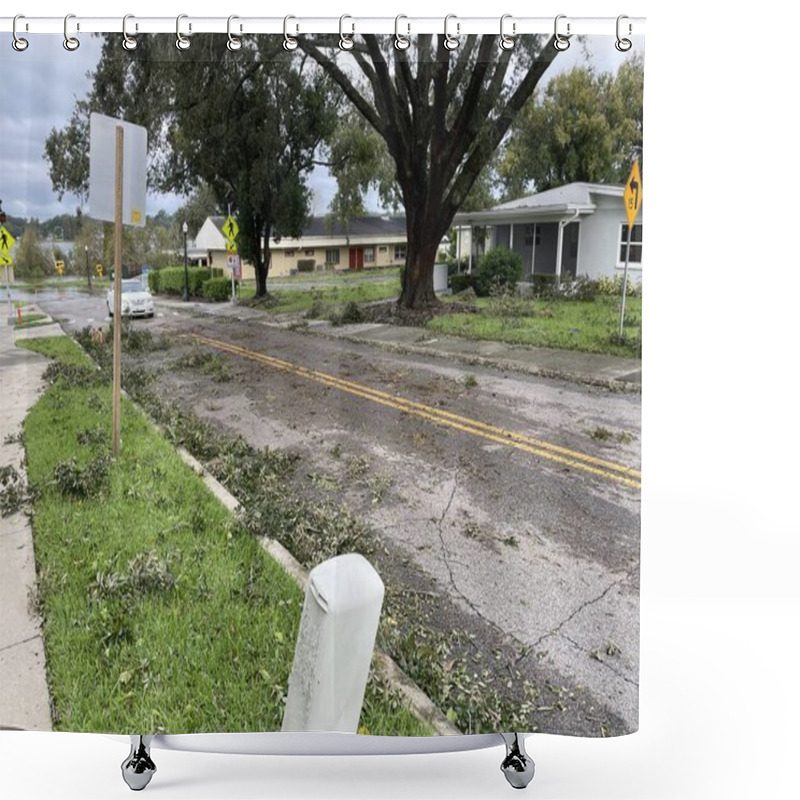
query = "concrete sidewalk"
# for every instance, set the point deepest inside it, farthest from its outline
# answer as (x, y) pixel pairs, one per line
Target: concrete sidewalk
(24, 696)
(614, 372)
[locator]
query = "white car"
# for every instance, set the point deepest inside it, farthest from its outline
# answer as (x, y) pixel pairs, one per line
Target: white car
(136, 300)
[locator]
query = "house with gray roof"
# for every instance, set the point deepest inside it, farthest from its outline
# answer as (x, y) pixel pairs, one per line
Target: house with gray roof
(365, 242)
(572, 230)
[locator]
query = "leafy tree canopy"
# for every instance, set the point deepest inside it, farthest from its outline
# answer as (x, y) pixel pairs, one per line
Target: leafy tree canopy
(247, 123)
(583, 126)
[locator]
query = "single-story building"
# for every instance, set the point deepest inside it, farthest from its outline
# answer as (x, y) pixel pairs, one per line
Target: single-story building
(366, 242)
(374, 241)
(576, 229)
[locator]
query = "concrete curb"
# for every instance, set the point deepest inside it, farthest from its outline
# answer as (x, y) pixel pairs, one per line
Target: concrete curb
(421, 705)
(316, 328)
(502, 363)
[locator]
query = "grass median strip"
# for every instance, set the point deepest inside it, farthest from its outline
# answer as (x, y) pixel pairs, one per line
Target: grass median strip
(161, 613)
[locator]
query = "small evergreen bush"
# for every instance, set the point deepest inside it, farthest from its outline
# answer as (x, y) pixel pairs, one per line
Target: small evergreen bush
(497, 269)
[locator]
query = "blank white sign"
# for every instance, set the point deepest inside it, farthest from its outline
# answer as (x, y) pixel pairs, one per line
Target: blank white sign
(102, 169)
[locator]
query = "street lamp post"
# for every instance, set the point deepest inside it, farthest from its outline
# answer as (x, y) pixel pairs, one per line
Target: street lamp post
(88, 271)
(185, 264)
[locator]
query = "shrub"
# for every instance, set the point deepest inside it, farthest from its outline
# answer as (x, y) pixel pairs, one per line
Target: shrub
(613, 286)
(217, 290)
(462, 282)
(581, 288)
(351, 314)
(171, 280)
(498, 268)
(152, 281)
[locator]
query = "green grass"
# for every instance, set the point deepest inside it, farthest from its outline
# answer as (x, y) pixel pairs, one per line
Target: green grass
(591, 327)
(323, 302)
(160, 613)
(333, 276)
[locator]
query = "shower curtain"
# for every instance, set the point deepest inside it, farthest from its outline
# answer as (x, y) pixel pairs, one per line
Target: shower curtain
(377, 324)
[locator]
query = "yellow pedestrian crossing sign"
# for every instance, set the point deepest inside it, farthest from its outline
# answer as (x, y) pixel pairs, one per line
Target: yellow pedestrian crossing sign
(6, 241)
(5, 260)
(633, 193)
(230, 229)
(230, 248)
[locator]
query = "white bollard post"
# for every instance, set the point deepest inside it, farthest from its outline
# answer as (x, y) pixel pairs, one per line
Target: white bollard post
(334, 647)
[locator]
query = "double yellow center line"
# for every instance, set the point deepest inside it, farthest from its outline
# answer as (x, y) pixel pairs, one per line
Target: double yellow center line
(551, 452)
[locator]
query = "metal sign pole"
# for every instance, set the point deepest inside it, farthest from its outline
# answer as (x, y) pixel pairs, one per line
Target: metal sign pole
(115, 400)
(625, 284)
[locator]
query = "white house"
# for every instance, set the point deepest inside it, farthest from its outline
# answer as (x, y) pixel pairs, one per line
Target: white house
(209, 247)
(577, 229)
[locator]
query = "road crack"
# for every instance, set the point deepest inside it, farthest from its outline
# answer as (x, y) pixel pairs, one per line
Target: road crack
(555, 631)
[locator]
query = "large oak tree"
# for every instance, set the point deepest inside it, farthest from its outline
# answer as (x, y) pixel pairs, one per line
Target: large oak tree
(442, 114)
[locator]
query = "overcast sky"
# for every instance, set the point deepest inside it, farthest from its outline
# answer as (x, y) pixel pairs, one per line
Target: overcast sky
(40, 85)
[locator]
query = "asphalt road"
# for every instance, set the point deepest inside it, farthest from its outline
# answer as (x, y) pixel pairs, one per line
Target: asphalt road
(514, 497)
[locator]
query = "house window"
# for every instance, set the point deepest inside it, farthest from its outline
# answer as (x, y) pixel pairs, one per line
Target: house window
(332, 256)
(309, 253)
(383, 249)
(290, 254)
(636, 244)
(369, 255)
(399, 252)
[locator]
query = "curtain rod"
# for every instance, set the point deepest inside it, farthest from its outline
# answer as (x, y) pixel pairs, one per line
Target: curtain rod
(187, 24)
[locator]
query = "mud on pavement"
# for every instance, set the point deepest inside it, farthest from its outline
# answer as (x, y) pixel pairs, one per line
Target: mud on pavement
(511, 568)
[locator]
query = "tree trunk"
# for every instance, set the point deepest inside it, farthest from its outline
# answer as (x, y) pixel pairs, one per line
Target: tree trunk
(263, 263)
(417, 291)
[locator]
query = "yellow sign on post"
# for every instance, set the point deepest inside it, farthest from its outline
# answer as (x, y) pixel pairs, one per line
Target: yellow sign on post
(633, 202)
(230, 229)
(633, 193)
(6, 241)
(230, 248)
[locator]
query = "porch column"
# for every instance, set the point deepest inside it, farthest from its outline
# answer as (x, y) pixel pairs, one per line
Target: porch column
(458, 247)
(559, 249)
(511, 238)
(471, 231)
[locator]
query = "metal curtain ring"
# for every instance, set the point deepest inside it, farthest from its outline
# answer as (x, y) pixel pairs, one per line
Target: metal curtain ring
(289, 43)
(128, 42)
(234, 43)
(450, 42)
(561, 42)
(507, 42)
(623, 45)
(401, 42)
(345, 42)
(19, 44)
(70, 42)
(182, 43)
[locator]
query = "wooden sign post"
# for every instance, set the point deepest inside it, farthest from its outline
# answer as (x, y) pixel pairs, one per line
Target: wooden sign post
(117, 148)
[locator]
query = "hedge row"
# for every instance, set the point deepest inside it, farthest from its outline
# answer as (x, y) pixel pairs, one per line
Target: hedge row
(217, 290)
(170, 280)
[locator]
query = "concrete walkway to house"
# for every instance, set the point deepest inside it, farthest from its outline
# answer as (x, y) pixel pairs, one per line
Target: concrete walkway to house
(24, 696)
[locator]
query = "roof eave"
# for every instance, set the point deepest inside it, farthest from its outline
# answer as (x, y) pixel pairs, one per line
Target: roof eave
(500, 216)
